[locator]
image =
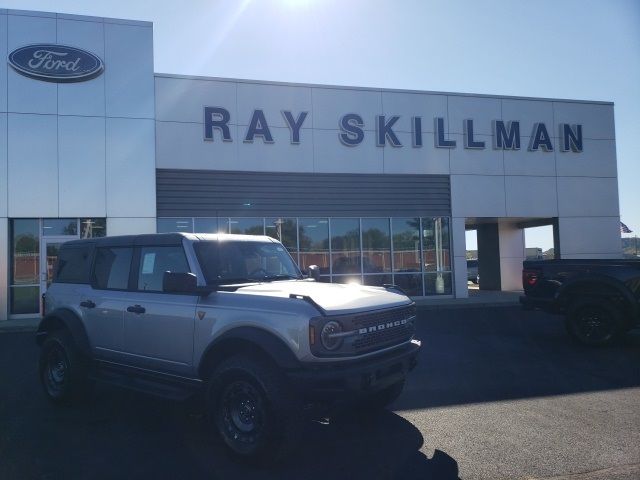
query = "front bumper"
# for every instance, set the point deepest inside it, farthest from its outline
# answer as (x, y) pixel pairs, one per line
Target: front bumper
(338, 380)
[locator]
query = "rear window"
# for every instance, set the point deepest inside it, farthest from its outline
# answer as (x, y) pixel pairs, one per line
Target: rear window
(73, 265)
(111, 268)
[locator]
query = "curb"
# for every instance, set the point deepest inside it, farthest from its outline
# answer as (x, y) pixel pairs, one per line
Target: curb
(19, 326)
(459, 306)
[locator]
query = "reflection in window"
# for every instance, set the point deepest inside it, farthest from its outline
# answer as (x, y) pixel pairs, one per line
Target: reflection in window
(25, 262)
(314, 243)
(206, 225)
(285, 230)
(376, 245)
(437, 283)
(246, 226)
(435, 244)
(377, 280)
(93, 227)
(406, 244)
(59, 226)
(24, 277)
(168, 225)
(345, 246)
(410, 283)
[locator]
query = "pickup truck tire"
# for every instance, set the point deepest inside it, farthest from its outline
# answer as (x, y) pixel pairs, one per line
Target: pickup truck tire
(63, 369)
(256, 414)
(593, 322)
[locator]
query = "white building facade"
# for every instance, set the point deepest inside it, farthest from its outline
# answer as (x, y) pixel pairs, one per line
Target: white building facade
(373, 185)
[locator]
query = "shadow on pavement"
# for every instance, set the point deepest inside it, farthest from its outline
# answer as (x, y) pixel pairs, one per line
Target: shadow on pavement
(122, 434)
(468, 356)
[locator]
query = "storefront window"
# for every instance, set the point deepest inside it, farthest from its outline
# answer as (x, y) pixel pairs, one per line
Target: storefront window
(25, 266)
(345, 246)
(247, 226)
(168, 225)
(93, 227)
(436, 254)
(406, 244)
(59, 226)
(206, 225)
(376, 246)
(285, 230)
(314, 243)
(413, 253)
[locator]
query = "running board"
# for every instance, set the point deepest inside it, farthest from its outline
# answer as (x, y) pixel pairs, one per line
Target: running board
(145, 381)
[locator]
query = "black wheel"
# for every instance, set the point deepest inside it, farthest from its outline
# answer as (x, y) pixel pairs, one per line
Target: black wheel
(63, 369)
(593, 322)
(253, 409)
(383, 398)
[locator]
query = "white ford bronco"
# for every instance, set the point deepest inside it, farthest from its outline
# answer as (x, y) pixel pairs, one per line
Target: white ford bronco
(230, 316)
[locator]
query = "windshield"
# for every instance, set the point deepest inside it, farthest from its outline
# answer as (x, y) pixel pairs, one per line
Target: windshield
(226, 262)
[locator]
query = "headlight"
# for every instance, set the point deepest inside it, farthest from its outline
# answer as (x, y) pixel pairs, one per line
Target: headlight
(330, 335)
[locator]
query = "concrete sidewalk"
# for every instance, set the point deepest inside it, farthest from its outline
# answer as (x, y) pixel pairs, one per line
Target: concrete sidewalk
(477, 298)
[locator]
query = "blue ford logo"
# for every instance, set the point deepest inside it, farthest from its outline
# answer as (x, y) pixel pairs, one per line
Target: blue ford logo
(55, 63)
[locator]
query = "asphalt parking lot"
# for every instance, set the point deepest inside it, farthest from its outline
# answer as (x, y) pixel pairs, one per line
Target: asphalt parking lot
(499, 393)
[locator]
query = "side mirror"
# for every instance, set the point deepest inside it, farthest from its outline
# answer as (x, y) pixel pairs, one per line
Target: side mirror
(314, 272)
(179, 282)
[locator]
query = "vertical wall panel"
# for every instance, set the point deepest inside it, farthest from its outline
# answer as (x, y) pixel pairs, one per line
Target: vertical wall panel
(4, 183)
(129, 71)
(3, 65)
(27, 95)
(33, 165)
(130, 166)
(82, 98)
(82, 166)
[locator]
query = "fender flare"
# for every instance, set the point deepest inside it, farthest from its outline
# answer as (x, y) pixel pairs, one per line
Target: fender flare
(71, 321)
(256, 337)
(612, 283)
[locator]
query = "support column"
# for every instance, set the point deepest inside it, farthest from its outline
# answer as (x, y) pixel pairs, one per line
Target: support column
(488, 256)
(4, 269)
(512, 254)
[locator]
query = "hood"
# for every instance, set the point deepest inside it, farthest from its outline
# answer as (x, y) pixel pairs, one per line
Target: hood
(334, 298)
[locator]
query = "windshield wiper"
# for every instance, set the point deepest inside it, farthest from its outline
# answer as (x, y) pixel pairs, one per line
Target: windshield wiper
(234, 281)
(280, 276)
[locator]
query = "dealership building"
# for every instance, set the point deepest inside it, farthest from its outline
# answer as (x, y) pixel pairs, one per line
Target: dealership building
(375, 186)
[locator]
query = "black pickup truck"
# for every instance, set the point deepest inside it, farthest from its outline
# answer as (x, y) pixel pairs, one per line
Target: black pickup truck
(599, 298)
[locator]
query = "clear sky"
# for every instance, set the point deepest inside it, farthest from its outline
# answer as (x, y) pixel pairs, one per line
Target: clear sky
(577, 49)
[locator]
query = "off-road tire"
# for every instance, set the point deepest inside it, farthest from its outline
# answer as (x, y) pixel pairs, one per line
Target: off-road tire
(594, 322)
(250, 393)
(63, 370)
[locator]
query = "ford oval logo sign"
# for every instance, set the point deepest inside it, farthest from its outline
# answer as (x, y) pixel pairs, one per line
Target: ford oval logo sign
(55, 63)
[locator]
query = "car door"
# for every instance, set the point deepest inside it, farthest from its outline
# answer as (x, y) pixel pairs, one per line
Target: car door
(103, 303)
(158, 326)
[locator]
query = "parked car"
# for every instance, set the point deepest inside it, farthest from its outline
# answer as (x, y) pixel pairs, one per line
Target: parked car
(472, 271)
(230, 316)
(600, 299)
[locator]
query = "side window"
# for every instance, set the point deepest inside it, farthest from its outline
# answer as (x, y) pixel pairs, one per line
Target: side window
(111, 268)
(154, 261)
(74, 265)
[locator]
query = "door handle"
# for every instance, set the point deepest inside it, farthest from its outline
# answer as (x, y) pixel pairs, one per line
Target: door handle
(87, 304)
(136, 309)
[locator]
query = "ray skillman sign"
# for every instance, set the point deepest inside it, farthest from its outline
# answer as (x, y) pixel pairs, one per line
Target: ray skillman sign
(506, 134)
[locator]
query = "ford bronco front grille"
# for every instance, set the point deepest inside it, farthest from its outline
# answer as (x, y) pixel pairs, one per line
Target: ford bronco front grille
(383, 329)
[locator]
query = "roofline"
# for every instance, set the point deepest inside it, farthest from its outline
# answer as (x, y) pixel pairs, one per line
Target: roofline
(373, 89)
